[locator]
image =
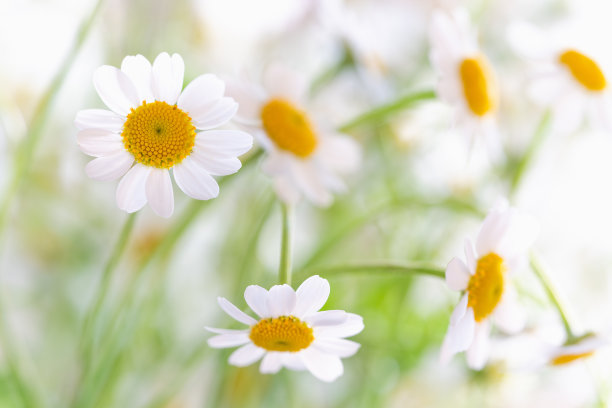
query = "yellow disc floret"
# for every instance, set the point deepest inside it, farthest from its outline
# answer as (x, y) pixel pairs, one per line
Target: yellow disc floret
(158, 134)
(284, 333)
(288, 127)
(568, 358)
(486, 286)
(584, 70)
(478, 85)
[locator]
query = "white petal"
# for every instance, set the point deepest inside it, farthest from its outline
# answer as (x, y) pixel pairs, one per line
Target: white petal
(478, 352)
(200, 95)
(229, 308)
(109, 167)
(307, 178)
(293, 361)
(459, 310)
(340, 153)
(168, 77)
(462, 334)
(250, 98)
(159, 192)
(508, 315)
(457, 274)
(470, 256)
(311, 296)
(228, 340)
(218, 114)
(446, 351)
(280, 81)
(339, 347)
(131, 195)
(99, 142)
(195, 181)
(224, 143)
(326, 367)
(139, 70)
(327, 318)
(99, 119)
(281, 300)
(115, 89)
(246, 355)
(271, 363)
(215, 165)
(225, 331)
(350, 327)
(257, 299)
(568, 113)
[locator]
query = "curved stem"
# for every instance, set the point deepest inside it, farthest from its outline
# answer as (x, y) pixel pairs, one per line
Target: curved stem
(284, 270)
(408, 269)
(553, 295)
(380, 113)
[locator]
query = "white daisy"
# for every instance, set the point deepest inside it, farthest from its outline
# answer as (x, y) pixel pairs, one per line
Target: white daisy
(465, 78)
(151, 128)
(583, 348)
(569, 75)
(488, 294)
(291, 332)
(303, 157)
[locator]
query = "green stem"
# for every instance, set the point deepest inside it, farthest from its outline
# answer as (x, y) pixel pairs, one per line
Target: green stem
(284, 270)
(553, 296)
(380, 113)
(407, 269)
(534, 145)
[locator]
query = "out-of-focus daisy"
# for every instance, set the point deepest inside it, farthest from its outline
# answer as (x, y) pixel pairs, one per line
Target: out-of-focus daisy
(569, 75)
(485, 280)
(151, 128)
(291, 332)
(465, 78)
(583, 348)
(304, 156)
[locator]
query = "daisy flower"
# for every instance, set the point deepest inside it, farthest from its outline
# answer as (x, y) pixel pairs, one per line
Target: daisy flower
(304, 157)
(583, 348)
(151, 128)
(483, 278)
(465, 78)
(290, 332)
(569, 75)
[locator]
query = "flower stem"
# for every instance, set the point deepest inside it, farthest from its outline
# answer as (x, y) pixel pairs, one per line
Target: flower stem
(284, 270)
(407, 269)
(553, 295)
(527, 157)
(380, 113)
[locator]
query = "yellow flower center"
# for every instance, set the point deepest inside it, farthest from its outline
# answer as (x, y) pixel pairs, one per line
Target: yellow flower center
(486, 286)
(584, 70)
(288, 127)
(284, 333)
(158, 134)
(568, 358)
(478, 85)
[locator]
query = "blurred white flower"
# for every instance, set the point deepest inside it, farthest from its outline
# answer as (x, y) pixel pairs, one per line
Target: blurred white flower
(465, 78)
(584, 348)
(151, 122)
(501, 244)
(291, 331)
(568, 75)
(303, 157)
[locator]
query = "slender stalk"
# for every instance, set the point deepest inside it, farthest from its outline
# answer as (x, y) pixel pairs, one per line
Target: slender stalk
(534, 145)
(553, 295)
(407, 269)
(380, 113)
(284, 269)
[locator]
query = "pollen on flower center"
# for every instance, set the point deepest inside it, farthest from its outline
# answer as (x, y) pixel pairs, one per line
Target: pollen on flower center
(486, 286)
(568, 358)
(288, 127)
(158, 134)
(478, 85)
(284, 333)
(584, 70)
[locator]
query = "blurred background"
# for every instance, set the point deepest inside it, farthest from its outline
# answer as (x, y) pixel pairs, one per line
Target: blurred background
(419, 193)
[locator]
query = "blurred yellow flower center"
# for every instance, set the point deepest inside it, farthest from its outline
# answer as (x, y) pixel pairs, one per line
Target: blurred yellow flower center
(478, 85)
(158, 134)
(584, 70)
(284, 333)
(288, 127)
(486, 286)
(568, 358)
